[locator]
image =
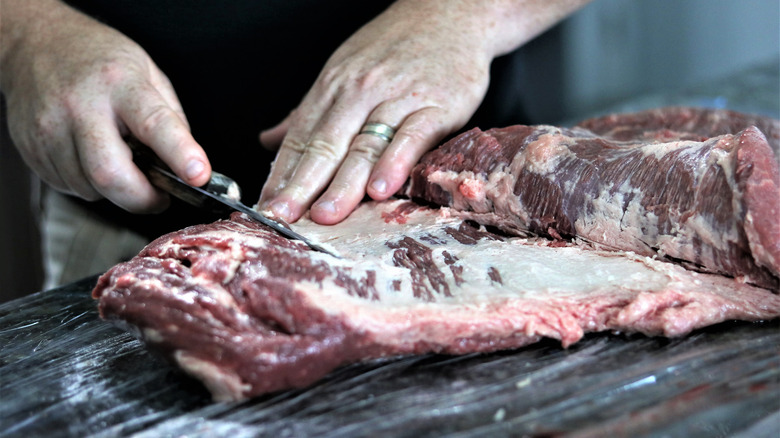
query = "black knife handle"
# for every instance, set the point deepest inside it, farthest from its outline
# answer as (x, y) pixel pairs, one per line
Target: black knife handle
(161, 176)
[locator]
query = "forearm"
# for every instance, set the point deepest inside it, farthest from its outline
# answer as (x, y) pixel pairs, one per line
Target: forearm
(498, 26)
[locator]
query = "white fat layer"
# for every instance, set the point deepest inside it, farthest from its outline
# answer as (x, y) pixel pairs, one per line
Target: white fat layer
(533, 276)
(660, 150)
(223, 385)
(527, 270)
(543, 155)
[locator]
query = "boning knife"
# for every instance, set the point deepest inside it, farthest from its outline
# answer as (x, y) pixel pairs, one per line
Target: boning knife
(221, 193)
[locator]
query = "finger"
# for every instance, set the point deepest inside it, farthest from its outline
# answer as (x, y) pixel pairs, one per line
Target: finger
(420, 132)
(155, 123)
(65, 172)
(163, 85)
(108, 164)
(322, 154)
(281, 169)
(349, 185)
(272, 138)
(38, 133)
(301, 123)
(52, 155)
(317, 164)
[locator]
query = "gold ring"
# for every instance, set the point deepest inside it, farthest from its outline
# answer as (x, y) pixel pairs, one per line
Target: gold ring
(385, 132)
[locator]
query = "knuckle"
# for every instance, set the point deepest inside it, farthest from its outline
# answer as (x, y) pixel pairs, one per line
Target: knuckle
(153, 119)
(330, 76)
(339, 79)
(105, 177)
(57, 106)
(366, 151)
(327, 77)
(369, 79)
(71, 100)
(295, 145)
(113, 72)
(412, 136)
(325, 149)
(295, 190)
(180, 146)
(46, 125)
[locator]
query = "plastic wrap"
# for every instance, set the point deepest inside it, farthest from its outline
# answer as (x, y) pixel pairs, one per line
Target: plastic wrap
(66, 372)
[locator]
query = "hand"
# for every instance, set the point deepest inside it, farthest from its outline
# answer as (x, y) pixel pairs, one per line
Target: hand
(74, 88)
(423, 79)
(420, 67)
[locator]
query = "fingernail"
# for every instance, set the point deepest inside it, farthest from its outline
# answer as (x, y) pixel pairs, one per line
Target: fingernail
(280, 209)
(379, 185)
(327, 206)
(194, 169)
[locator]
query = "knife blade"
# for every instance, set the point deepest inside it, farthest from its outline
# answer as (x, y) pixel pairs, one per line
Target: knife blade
(220, 194)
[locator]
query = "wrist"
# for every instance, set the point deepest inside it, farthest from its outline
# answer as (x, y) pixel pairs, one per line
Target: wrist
(495, 27)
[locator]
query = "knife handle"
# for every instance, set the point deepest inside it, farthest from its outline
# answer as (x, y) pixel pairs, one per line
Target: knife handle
(161, 176)
(222, 185)
(220, 194)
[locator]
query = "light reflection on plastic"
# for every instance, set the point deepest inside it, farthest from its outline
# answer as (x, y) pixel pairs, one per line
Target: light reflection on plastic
(649, 380)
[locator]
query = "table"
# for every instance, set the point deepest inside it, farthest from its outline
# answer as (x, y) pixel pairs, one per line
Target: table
(65, 372)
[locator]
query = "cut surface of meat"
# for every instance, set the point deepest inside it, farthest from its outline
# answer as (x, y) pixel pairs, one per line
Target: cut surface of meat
(248, 312)
(667, 183)
(646, 212)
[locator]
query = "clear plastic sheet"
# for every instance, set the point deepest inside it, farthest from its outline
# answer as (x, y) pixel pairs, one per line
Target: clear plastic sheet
(66, 372)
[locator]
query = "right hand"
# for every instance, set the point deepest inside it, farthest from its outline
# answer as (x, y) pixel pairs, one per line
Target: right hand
(74, 88)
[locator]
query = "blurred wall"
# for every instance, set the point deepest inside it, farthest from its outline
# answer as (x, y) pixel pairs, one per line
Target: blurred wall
(616, 49)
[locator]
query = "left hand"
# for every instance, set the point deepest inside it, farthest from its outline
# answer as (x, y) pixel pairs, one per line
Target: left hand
(421, 68)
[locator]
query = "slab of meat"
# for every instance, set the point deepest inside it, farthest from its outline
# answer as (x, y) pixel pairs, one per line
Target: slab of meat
(700, 187)
(247, 311)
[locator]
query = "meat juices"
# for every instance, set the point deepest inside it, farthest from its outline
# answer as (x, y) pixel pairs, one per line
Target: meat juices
(248, 312)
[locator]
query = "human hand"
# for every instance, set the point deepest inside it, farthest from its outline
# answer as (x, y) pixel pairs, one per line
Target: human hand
(423, 80)
(74, 88)
(420, 67)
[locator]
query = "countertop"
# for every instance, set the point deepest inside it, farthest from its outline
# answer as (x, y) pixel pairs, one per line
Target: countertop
(65, 372)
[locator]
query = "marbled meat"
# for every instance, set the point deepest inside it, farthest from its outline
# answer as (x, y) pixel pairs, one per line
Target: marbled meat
(699, 187)
(248, 312)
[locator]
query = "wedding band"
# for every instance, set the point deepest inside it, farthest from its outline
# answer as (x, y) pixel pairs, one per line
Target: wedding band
(385, 132)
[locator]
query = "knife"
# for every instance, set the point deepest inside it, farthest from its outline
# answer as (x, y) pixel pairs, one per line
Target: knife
(221, 193)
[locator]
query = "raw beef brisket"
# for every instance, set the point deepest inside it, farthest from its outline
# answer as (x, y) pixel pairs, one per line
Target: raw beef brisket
(669, 182)
(248, 312)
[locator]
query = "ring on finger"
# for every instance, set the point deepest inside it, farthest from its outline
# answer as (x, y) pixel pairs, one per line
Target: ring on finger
(381, 130)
